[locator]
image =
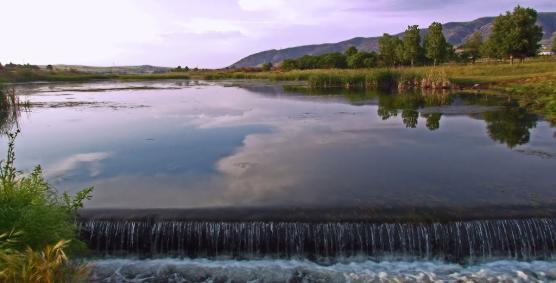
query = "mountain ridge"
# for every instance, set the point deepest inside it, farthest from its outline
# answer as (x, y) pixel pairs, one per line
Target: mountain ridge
(455, 32)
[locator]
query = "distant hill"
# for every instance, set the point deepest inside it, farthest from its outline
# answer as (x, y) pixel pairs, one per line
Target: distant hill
(143, 69)
(455, 32)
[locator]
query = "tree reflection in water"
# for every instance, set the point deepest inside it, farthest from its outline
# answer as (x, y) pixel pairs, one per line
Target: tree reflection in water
(509, 125)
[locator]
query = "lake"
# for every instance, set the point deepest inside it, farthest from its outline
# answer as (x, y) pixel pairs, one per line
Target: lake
(183, 144)
(261, 176)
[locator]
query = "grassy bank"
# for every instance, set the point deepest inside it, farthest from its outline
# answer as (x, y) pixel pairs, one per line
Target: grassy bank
(26, 75)
(532, 83)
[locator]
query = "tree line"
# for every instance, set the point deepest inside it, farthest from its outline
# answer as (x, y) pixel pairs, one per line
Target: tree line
(514, 35)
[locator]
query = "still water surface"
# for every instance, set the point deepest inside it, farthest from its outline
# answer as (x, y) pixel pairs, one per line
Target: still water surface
(183, 144)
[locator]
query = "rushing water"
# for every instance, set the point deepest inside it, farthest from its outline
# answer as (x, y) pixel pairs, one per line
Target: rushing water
(243, 181)
(463, 241)
(201, 270)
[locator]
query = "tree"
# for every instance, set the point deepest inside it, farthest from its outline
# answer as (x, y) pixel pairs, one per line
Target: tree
(553, 44)
(412, 44)
(362, 60)
(351, 51)
(49, 67)
(472, 46)
(267, 66)
(289, 64)
(307, 62)
(435, 44)
(515, 35)
(388, 47)
(332, 60)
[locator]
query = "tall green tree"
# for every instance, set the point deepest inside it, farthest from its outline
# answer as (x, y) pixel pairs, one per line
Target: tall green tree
(515, 35)
(389, 49)
(472, 46)
(435, 44)
(412, 44)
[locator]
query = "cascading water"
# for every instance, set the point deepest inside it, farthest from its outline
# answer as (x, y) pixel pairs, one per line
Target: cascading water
(522, 239)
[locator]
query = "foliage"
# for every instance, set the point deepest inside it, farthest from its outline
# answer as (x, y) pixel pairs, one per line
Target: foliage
(28, 204)
(362, 60)
(267, 66)
(554, 44)
(514, 35)
(351, 51)
(472, 47)
(51, 264)
(390, 50)
(325, 61)
(412, 44)
(435, 45)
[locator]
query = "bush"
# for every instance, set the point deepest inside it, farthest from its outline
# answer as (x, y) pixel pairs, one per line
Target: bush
(30, 206)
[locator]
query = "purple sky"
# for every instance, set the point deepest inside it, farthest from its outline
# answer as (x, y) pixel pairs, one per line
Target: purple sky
(209, 33)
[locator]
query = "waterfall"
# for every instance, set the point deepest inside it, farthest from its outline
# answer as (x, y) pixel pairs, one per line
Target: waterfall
(530, 238)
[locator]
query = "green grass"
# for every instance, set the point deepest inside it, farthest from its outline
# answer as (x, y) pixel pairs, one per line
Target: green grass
(28, 75)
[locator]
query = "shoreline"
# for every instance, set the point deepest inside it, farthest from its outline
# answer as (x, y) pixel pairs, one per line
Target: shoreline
(323, 214)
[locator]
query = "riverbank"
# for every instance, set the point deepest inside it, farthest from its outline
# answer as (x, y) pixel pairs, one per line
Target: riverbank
(532, 83)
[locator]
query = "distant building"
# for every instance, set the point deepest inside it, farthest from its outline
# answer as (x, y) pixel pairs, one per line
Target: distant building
(545, 51)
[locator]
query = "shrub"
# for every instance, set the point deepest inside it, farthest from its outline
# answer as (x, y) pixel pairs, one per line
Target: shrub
(29, 205)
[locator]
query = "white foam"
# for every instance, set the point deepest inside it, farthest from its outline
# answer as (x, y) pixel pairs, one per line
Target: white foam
(205, 270)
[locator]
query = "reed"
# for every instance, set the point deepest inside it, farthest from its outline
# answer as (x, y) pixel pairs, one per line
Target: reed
(50, 264)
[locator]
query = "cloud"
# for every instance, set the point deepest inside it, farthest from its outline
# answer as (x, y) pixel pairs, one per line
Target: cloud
(211, 33)
(73, 162)
(257, 5)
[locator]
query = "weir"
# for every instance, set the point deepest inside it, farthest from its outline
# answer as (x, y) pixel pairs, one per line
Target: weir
(524, 238)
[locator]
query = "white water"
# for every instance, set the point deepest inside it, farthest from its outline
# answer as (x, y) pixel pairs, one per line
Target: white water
(204, 270)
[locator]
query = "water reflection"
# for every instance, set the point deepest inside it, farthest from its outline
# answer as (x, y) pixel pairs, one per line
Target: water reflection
(506, 121)
(10, 110)
(255, 144)
(510, 125)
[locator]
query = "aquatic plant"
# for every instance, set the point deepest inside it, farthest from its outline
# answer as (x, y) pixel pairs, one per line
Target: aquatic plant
(10, 109)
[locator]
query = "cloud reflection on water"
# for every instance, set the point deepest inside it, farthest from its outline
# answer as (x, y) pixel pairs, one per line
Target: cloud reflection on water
(230, 146)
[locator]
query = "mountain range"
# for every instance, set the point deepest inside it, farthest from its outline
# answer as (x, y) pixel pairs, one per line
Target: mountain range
(455, 32)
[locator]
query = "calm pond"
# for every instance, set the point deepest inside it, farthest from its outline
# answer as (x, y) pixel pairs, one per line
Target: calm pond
(186, 144)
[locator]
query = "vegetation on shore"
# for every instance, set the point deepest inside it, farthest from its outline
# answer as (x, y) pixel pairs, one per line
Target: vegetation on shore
(37, 225)
(32, 73)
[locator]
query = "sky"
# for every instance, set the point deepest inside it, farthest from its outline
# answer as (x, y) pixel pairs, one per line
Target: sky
(209, 33)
